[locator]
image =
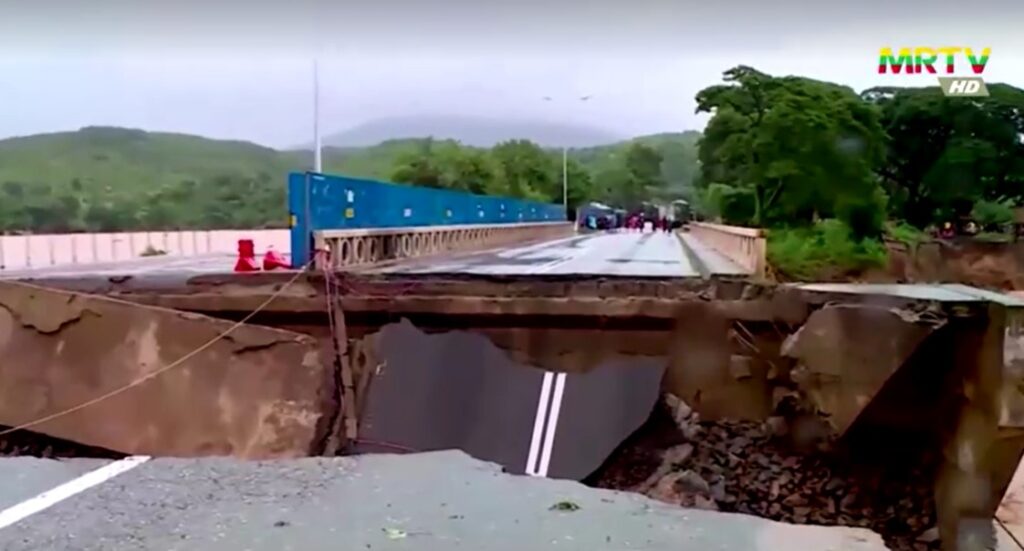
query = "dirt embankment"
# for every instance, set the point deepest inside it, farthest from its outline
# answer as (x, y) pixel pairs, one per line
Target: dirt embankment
(990, 265)
(971, 262)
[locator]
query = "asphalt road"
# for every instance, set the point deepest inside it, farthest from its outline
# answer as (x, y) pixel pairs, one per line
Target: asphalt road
(628, 254)
(442, 500)
(184, 265)
(619, 254)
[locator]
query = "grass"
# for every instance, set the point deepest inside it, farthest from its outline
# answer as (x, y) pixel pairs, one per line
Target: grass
(824, 251)
(994, 237)
(905, 233)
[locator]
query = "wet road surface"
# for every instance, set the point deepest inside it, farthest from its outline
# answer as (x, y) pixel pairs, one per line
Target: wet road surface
(442, 500)
(26, 477)
(186, 265)
(630, 254)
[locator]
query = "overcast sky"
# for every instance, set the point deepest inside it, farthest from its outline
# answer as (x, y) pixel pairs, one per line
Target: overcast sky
(243, 70)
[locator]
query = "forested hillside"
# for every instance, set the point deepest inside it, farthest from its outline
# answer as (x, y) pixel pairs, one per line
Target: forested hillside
(108, 179)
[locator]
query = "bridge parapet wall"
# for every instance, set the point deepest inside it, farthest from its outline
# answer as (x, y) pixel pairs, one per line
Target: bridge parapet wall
(747, 247)
(322, 203)
(358, 247)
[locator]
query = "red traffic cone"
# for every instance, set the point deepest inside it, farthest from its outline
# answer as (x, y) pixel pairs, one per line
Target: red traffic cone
(273, 261)
(246, 257)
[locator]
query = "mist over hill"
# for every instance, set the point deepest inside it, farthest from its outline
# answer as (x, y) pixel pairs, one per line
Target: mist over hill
(472, 131)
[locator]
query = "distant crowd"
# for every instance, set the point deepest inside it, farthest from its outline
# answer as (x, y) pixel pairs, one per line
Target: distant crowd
(633, 222)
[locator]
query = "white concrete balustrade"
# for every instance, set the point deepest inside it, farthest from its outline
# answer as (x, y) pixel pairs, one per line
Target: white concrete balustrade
(44, 250)
(747, 247)
(370, 246)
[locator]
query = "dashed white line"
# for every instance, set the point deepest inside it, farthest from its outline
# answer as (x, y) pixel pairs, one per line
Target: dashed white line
(52, 497)
(538, 423)
(549, 438)
(552, 389)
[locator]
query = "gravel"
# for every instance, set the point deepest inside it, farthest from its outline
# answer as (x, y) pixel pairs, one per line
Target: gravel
(745, 467)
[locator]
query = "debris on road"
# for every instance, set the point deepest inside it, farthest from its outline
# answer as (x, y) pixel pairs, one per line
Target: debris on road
(565, 506)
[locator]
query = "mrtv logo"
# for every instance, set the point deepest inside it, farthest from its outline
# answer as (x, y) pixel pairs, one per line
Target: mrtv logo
(948, 60)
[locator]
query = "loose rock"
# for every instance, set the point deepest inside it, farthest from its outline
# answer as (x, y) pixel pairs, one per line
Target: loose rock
(740, 466)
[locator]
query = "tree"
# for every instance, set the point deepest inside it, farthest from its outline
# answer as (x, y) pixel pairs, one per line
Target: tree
(418, 167)
(644, 163)
(580, 184)
(802, 147)
(467, 169)
(947, 152)
(111, 216)
(526, 171)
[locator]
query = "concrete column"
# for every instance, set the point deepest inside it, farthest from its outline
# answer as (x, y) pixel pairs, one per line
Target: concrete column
(966, 489)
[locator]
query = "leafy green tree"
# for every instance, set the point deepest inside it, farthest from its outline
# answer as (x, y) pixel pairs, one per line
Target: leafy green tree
(611, 185)
(644, 163)
(111, 216)
(802, 147)
(580, 187)
(946, 152)
(526, 171)
(730, 204)
(993, 215)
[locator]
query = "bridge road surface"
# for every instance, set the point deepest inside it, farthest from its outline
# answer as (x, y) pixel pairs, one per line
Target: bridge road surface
(624, 254)
(618, 254)
(440, 500)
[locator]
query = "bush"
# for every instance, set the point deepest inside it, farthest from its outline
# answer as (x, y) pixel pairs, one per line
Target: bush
(865, 216)
(993, 214)
(905, 233)
(733, 205)
(826, 250)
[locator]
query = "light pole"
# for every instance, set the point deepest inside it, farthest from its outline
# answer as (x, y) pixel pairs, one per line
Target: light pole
(565, 163)
(317, 160)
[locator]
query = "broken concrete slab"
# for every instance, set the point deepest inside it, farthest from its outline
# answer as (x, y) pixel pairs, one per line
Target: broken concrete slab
(442, 500)
(258, 392)
(846, 353)
(705, 372)
(458, 390)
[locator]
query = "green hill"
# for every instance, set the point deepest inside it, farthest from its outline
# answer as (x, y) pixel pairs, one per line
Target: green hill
(109, 179)
(678, 149)
(120, 160)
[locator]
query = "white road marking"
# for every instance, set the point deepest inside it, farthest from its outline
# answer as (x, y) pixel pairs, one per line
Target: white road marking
(52, 497)
(544, 426)
(506, 253)
(544, 268)
(549, 438)
(538, 423)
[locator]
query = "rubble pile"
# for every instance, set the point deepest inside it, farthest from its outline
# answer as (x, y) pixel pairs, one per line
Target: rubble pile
(31, 444)
(740, 466)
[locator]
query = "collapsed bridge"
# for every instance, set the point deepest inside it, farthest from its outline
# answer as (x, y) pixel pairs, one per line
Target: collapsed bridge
(541, 351)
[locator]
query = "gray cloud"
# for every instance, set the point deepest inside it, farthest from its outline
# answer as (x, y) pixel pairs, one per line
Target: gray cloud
(242, 70)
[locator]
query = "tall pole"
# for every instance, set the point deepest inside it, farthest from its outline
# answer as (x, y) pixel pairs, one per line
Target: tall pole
(317, 160)
(565, 179)
(565, 164)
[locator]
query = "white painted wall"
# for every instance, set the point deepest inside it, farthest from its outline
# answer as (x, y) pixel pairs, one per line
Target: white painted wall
(38, 251)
